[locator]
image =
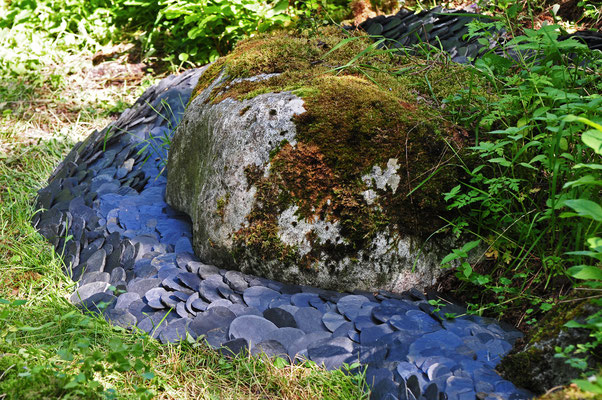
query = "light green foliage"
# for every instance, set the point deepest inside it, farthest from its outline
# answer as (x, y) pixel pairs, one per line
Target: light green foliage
(180, 32)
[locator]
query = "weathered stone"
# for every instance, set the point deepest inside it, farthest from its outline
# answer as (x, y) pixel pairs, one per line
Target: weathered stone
(285, 185)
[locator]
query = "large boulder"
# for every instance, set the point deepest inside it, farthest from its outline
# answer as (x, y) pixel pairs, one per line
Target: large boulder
(296, 162)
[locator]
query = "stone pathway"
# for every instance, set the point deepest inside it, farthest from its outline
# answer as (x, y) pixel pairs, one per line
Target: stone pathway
(132, 257)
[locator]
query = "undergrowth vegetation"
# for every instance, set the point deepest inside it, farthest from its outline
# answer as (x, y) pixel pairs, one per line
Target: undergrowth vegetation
(534, 205)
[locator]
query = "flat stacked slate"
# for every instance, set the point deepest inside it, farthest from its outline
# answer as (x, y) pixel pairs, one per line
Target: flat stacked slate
(104, 210)
(447, 30)
(441, 28)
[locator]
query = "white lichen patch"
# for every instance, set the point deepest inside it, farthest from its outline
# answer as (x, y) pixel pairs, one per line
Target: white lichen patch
(382, 179)
(294, 231)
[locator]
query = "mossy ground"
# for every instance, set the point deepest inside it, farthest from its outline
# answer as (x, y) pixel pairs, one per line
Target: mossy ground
(360, 112)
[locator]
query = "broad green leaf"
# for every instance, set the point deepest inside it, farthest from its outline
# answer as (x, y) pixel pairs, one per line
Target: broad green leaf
(594, 243)
(593, 138)
(471, 245)
(584, 180)
(587, 272)
(586, 208)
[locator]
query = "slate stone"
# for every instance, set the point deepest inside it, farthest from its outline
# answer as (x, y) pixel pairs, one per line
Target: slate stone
(97, 303)
(250, 327)
(199, 305)
(172, 299)
(309, 320)
(182, 312)
(350, 305)
(241, 309)
(85, 291)
(270, 348)
(190, 280)
(140, 309)
(120, 317)
(298, 349)
(124, 300)
(96, 262)
(183, 258)
(413, 386)
(172, 283)
(370, 335)
(285, 336)
(153, 324)
(236, 281)
(259, 297)
(117, 275)
(153, 298)
(280, 317)
(209, 290)
(220, 303)
(144, 269)
(189, 301)
(431, 392)
(333, 353)
(204, 270)
(142, 286)
(217, 337)
(372, 353)
(332, 320)
(384, 389)
(234, 347)
(302, 299)
(215, 317)
(95, 276)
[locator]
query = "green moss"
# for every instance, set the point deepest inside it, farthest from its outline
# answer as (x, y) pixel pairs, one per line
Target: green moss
(514, 367)
(358, 115)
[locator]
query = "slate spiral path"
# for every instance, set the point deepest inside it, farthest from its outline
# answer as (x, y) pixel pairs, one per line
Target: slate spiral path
(132, 257)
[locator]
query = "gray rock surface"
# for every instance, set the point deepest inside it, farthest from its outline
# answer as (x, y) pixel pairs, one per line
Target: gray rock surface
(212, 152)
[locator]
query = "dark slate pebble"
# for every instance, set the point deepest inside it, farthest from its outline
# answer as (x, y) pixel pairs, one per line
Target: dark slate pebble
(285, 336)
(153, 297)
(85, 291)
(125, 299)
(332, 320)
(234, 347)
(204, 270)
(270, 348)
(280, 317)
(199, 305)
(190, 280)
(117, 275)
(97, 303)
(189, 301)
(215, 317)
(236, 281)
(209, 290)
(140, 309)
(259, 297)
(120, 317)
(241, 309)
(142, 286)
(333, 353)
(95, 276)
(250, 327)
(309, 320)
(384, 389)
(350, 305)
(96, 262)
(298, 349)
(217, 337)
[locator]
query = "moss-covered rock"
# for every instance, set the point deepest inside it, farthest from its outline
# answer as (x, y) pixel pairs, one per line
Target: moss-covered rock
(534, 366)
(333, 165)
